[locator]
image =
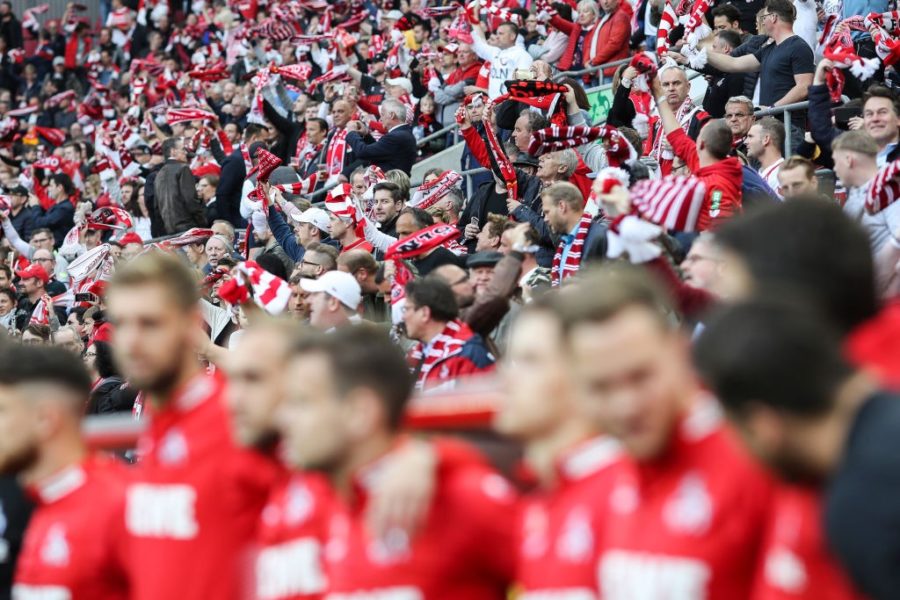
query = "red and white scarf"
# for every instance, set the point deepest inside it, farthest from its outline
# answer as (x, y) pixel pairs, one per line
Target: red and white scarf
(248, 162)
(683, 115)
(304, 186)
(432, 192)
(562, 270)
(555, 137)
(250, 281)
(884, 189)
(673, 202)
(446, 344)
(334, 156)
(666, 23)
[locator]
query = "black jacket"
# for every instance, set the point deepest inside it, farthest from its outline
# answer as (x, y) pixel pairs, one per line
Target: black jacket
(395, 150)
(23, 222)
(59, 219)
(157, 228)
(176, 198)
(228, 192)
(529, 192)
(290, 129)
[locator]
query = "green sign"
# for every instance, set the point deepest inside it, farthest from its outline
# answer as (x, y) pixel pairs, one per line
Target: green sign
(601, 101)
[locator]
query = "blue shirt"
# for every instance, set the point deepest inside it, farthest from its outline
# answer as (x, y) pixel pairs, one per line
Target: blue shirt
(567, 241)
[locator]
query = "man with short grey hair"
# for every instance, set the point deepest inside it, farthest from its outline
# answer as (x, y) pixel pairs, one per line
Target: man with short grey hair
(395, 150)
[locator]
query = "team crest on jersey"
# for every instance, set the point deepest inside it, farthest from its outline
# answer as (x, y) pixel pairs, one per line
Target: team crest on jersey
(173, 449)
(392, 548)
(299, 503)
(624, 499)
(445, 372)
(534, 534)
(55, 550)
(689, 509)
(715, 205)
(576, 542)
(785, 571)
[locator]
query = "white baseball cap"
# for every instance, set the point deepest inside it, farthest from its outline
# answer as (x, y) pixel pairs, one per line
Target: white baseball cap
(403, 82)
(316, 216)
(336, 284)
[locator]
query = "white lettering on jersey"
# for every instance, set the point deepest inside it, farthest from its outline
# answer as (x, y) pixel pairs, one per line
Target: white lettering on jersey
(641, 576)
(785, 571)
(394, 593)
(289, 569)
(40, 592)
(161, 511)
(534, 533)
(55, 550)
(570, 594)
(689, 510)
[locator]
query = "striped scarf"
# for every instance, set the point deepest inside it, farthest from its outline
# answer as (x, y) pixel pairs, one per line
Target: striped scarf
(560, 270)
(448, 343)
(667, 22)
(334, 156)
(555, 137)
(673, 202)
(884, 188)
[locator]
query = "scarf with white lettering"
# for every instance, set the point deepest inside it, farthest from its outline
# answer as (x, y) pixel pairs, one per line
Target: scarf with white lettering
(428, 194)
(562, 270)
(334, 156)
(448, 343)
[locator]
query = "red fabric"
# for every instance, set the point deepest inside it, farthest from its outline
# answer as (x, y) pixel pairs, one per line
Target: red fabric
(292, 531)
(794, 535)
(447, 360)
(723, 181)
(611, 45)
(464, 549)
(689, 523)
(462, 74)
(212, 492)
(875, 345)
(690, 301)
(549, 559)
(71, 541)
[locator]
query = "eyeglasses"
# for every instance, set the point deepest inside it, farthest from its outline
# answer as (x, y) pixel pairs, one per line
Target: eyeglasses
(736, 115)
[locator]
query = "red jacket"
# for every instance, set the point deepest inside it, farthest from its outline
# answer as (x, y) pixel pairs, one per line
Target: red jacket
(559, 528)
(194, 502)
(875, 345)
(723, 181)
(71, 548)
(689, 524)
(796, 564)
(463, 550)
(606, 41)
(292, 531)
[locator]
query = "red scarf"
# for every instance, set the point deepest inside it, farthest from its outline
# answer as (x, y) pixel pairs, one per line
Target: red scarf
(560, 270)
(337, 149)
(447, 344)
(248, 163)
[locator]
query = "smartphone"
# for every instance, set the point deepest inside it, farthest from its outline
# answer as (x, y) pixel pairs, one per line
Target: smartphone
(474, 221)
(85, 297)
(524, 74)
(842, 116)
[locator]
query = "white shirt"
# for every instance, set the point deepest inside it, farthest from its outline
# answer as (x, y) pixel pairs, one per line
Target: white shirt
(503, 63)
(880, 225)
(770, 174)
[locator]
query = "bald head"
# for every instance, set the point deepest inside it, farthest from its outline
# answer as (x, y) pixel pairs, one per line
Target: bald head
(675, 86)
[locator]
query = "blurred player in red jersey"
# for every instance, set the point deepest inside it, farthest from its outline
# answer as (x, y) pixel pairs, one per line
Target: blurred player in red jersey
(70, 549)
(556, 555)
(293, 523)
(346, 395)
(686, 512)
(194, 500)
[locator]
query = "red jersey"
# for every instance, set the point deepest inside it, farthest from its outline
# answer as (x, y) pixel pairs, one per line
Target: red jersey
(194, 502)
(463, 550)
(70, 551)
(559, 528)
(292, 532)
(796, 564)
(688, 525)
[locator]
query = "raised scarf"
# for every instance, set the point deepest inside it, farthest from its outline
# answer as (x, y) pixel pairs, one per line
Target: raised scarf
(334, 156)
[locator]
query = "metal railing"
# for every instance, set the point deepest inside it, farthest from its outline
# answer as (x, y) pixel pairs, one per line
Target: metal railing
(454, 128)
(786, 110)
(601, 68)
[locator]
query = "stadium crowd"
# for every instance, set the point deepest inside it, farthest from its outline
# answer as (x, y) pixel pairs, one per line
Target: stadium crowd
(509, 298)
